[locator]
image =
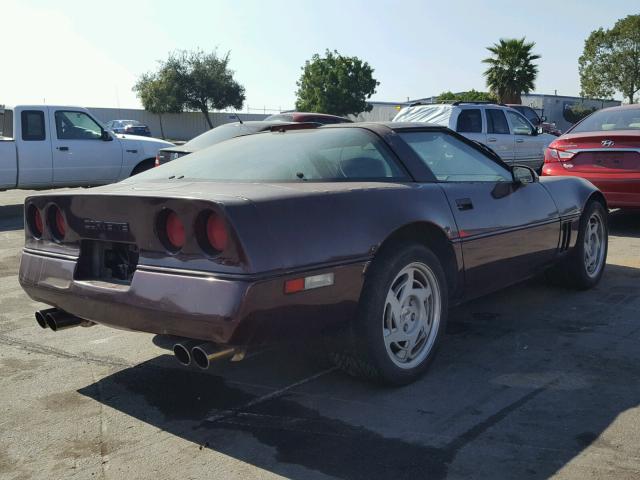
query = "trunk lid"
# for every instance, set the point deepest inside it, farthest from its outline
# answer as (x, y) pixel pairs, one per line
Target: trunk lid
(602, 152)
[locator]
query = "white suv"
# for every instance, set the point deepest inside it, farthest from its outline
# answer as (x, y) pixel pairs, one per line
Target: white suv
(501, 128)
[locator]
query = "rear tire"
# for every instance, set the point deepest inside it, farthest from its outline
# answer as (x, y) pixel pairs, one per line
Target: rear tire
(401, 317)
(585, 264)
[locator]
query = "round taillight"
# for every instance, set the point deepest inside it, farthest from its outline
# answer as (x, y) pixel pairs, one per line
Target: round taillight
(34, 220)
(57, 225)
(174, 231)
(217, 234)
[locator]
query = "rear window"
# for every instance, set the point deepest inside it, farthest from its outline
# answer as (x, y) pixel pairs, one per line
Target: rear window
(469, 121)
(32, 124)
(220, 134)
(6, 123)
(336, 154)
(281, 117)
(605, 120)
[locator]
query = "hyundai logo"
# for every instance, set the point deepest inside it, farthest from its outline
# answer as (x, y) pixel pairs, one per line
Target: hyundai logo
(607, 143)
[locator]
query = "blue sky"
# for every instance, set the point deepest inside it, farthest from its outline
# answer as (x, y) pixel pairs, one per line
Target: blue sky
(88, 53)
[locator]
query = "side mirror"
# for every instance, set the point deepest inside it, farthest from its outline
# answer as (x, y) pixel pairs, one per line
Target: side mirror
(105, 137)
(523, 174)
(543, 118)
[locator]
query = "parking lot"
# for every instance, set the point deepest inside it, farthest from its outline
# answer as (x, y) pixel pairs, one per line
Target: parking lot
(532, 382)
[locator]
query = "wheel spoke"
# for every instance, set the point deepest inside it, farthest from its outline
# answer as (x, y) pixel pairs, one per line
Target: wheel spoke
(394, 303)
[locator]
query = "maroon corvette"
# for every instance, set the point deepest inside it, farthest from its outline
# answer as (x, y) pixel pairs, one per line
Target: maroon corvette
(604, 148)
(366, 232)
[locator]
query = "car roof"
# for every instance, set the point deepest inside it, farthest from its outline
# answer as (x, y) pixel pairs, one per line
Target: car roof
(630, 106)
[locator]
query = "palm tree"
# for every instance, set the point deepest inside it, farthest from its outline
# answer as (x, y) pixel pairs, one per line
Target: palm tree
(511, 69)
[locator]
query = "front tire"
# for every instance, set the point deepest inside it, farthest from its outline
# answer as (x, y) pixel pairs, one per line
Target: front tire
(401, 316)
(586, 263)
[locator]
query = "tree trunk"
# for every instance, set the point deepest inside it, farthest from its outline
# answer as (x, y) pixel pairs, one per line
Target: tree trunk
(161, 126)
(205, 112)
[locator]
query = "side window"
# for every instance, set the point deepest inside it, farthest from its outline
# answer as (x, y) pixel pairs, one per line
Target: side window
(32, 122)
(531, 115)
(76, 126)
(520, 125)
(452, 160)
(496, 122)
(469, 121)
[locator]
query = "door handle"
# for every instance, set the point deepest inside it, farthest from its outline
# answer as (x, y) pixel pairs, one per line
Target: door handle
(62, 149)
(491, 139)
(464, 204)
(519, 140)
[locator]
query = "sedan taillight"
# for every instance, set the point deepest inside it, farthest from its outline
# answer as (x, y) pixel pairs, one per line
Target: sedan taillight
(553, 155)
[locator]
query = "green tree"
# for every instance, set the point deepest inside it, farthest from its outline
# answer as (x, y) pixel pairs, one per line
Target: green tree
(610, 61)
(469, 96)
(335, 84)
(511, 70)
(158, 95)
(199, 81)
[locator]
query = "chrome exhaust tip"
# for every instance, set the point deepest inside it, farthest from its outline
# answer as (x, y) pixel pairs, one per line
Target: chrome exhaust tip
(41, 316)
(59, 320)
(182, 351)
(205, 353)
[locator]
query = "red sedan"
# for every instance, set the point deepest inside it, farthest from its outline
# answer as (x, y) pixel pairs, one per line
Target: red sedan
(603, 148)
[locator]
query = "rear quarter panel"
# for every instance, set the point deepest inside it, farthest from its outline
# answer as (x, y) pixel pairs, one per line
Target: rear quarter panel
(8, 164)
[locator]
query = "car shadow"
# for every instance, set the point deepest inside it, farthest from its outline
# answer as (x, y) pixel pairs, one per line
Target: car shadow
(624, 224)
(11, 217)
(526, 380)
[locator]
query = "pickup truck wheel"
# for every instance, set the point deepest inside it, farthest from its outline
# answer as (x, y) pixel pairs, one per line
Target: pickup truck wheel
(142, 166)
(586, 263)
(401, 316)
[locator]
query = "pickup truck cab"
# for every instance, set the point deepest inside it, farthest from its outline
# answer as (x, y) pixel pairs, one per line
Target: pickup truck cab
(504, 130)
(57, 146)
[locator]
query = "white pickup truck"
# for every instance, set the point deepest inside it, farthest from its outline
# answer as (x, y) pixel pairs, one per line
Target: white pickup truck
(53, 146)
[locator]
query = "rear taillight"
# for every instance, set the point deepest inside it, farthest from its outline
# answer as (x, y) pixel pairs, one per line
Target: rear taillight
(157, 164)
(34, 221)
(553, 155)
(57, 225)
(175, 230)
(217, 232)
(171, 230)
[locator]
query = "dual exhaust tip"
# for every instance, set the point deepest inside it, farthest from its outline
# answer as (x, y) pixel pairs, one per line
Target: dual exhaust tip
(59, 320)
(203, 354)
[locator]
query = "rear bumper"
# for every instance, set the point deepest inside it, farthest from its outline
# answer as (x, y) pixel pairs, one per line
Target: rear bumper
(622, 190)
(195, 305)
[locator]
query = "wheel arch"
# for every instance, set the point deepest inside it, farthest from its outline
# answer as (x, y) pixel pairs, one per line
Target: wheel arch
(597, 195)
(433, 237)
(142, 165)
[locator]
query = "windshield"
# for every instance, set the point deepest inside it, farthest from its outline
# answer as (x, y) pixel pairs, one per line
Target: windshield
(341, 154)
(605, 120)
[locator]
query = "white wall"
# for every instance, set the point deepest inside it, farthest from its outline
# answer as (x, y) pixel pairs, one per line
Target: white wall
(177, 126)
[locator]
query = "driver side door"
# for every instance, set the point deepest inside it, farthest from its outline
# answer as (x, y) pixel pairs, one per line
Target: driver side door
(508, 230)
(80, 155)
